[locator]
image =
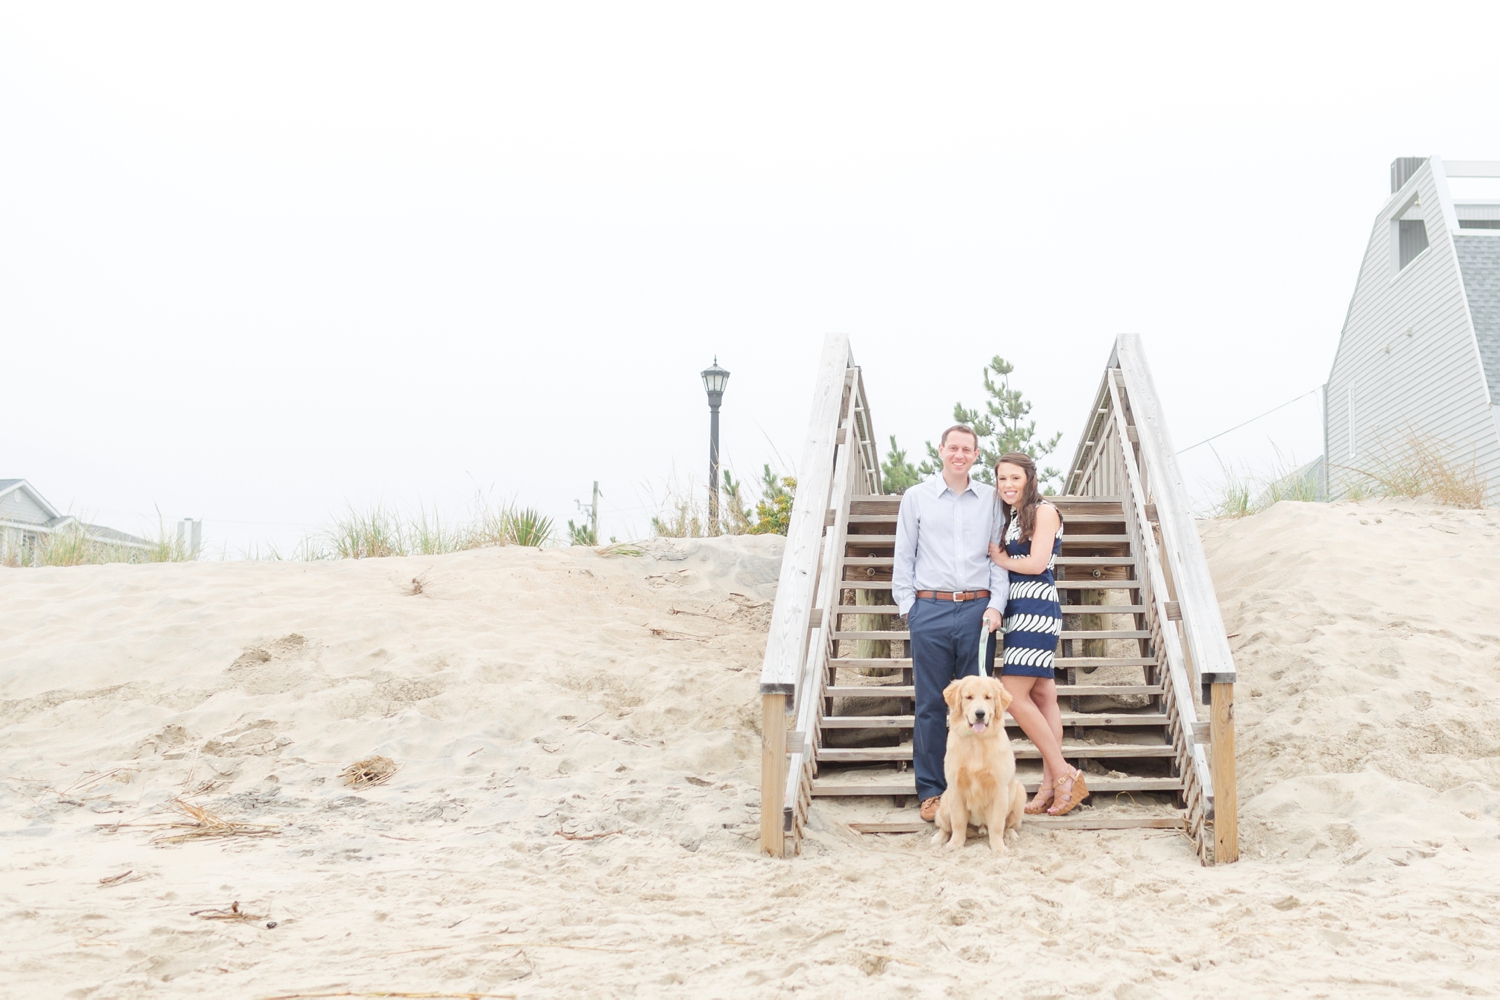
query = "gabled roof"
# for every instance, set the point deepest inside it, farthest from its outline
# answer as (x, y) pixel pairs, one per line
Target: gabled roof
(11, 492)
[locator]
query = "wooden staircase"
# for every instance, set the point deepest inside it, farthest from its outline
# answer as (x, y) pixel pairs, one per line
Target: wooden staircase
(1142, 639)
(1114, 722)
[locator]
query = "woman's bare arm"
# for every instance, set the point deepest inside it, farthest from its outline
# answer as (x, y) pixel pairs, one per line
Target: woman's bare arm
(1042, 536)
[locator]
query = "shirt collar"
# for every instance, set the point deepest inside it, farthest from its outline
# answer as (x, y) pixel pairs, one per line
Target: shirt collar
(942, 485)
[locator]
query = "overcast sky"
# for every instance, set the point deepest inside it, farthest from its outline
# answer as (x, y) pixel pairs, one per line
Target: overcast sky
(259, 265)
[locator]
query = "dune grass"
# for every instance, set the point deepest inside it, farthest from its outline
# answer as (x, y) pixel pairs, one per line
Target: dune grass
(386, 531)
(1424, 467)
(1243, 495)
(74, 545)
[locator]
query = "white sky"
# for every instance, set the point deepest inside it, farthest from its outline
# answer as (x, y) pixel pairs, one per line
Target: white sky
(256, 265)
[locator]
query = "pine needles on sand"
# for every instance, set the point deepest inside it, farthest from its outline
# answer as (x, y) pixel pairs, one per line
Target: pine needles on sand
(205, 825)
(370, 771)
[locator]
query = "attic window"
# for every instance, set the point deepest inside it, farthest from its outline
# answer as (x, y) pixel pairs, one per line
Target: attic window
(1410, 234)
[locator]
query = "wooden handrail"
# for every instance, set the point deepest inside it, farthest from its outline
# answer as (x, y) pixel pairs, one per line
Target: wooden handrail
(1203, 625)
(836, 463)
(1126, 449)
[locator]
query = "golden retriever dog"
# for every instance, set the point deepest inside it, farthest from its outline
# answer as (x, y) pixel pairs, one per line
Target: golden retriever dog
(979, 766)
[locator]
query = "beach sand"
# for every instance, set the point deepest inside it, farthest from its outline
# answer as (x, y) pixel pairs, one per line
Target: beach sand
(576, 809)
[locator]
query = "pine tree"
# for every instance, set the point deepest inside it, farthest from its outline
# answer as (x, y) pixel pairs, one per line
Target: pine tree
(1002, 427)
(897, 474)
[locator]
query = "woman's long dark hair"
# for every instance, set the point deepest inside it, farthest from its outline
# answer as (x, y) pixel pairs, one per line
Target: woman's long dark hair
(1030, 495)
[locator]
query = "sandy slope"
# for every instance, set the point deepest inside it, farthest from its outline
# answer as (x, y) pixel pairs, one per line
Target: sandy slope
(535, 696)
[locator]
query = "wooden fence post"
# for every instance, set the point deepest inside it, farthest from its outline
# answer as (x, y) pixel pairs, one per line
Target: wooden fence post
(772, 772)
(1226, 799)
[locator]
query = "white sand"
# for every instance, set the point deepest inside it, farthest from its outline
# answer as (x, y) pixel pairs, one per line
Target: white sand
(527, 694)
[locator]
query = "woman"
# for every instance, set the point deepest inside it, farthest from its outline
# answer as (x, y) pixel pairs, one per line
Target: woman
(1031, 529)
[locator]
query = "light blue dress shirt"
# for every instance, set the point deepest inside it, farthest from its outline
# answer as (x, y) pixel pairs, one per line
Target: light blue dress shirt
(943, 543)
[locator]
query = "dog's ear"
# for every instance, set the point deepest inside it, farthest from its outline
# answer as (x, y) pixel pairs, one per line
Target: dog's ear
(1002, 695)
(950, 693)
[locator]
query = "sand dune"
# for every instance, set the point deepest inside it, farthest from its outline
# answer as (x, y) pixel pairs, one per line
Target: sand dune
(575, 810)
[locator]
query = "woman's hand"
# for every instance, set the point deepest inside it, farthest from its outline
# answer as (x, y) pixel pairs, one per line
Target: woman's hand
(997, 555)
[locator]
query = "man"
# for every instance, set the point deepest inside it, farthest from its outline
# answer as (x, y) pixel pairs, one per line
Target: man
(946, 585)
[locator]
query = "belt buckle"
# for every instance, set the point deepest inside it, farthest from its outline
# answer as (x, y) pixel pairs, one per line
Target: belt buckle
(956, 598)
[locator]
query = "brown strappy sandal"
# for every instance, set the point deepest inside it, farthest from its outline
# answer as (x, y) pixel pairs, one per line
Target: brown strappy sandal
(1078, 790)
(1038, 803)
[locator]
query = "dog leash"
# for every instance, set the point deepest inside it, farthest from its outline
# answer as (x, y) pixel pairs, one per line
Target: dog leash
(984, 644)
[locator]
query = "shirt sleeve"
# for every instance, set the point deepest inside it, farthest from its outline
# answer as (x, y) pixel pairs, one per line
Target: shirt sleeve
(904, 569)
(999, 587)
(999, 575)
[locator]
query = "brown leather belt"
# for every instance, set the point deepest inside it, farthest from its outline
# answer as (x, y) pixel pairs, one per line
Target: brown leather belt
(962, 595)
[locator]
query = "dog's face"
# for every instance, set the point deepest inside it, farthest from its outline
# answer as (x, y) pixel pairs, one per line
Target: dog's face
(977, 702)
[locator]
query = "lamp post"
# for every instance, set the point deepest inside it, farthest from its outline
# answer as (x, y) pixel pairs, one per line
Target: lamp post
(714, 380)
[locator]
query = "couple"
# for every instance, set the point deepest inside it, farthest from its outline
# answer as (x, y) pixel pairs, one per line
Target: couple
(952, 576)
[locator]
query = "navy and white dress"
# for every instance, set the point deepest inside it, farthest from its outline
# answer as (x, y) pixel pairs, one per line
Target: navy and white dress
(1033, 616)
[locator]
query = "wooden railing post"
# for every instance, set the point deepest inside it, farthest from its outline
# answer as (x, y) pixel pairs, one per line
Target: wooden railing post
(1226, 799)
(772, 772)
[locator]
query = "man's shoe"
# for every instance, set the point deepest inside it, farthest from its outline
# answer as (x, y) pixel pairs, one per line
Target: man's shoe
(930, 808)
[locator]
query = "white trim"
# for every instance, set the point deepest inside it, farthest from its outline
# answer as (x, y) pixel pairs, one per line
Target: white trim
(1472, 168)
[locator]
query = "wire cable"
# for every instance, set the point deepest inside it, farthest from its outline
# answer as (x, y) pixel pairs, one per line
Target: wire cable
(1250, 421)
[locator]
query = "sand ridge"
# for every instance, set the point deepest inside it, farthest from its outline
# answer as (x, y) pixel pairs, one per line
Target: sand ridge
(575, 812)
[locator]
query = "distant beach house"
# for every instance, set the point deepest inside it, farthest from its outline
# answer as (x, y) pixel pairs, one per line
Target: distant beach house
(26, 519)
(1420, 349)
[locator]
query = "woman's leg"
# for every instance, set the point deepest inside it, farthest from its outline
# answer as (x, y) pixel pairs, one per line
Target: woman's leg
(1044, 696)
(1038, 727)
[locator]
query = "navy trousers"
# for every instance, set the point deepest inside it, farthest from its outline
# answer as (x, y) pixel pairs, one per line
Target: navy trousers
(944, 647)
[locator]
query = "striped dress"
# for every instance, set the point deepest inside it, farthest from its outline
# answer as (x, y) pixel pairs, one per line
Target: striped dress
(1033, 616)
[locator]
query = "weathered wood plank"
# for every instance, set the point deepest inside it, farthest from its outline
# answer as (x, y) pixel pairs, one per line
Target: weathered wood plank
(1023, 751)
(1068, 719)
(772, 771)
(907, 785)
(786, 641)
(1203, 625)
(1071, 822)
(1063, 690)
(1226, 797)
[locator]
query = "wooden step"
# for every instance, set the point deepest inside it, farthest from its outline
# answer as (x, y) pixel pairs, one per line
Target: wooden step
(1059, 560)
(869, 691)
(891, 783)
(1063, 690)
(1066, 634)
(872, 518)
(1103, 609)
(885, 541)
(1094, 539)
(1067, 609)
(1023, 750)
(1104, 634)
(1085, 583)
(1084, 819)
(1068, 719)
(1060, 662)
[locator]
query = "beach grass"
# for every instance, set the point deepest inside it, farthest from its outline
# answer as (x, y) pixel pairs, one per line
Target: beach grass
(1421, 467)
(382, 531)
(75, 545)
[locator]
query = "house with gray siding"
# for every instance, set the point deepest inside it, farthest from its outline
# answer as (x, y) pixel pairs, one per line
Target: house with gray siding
(1419, 355)
(26, 519)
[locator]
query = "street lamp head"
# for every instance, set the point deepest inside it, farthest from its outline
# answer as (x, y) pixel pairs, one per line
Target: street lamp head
(714, 380)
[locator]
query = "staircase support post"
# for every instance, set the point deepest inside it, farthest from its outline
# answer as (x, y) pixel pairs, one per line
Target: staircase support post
(1226, 798)
(772, 772)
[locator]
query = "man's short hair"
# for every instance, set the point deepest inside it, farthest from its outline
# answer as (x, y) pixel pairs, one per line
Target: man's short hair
(965, 428)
